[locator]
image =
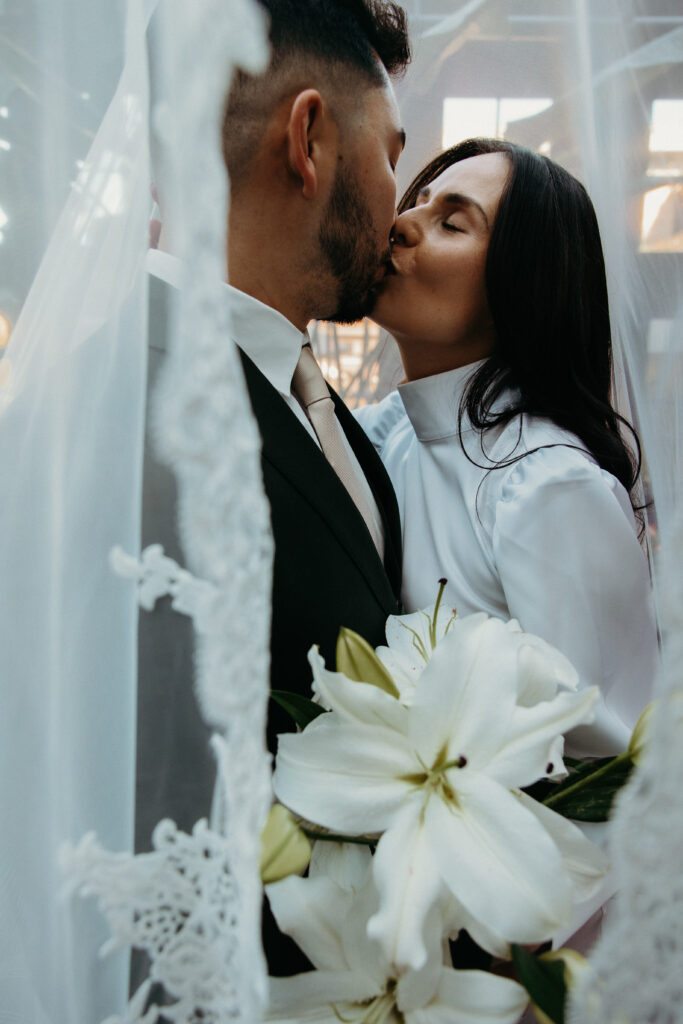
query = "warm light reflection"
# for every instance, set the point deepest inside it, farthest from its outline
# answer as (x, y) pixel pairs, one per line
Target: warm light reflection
(5, 330)
(662, 219)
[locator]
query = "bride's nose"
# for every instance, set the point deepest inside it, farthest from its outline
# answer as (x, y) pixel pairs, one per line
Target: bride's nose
(406, 229)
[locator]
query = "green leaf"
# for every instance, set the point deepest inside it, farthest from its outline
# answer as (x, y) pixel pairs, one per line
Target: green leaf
(543, 980)
(540, 790)
(301, 709)
(588, 791)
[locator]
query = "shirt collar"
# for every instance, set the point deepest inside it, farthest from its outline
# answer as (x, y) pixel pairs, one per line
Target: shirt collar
(432, 403)
(270, 340)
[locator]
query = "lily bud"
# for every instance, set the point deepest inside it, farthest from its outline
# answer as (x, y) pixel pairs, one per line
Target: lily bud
(574, 965)
(640, 737)
(285, 849)
(358, 662)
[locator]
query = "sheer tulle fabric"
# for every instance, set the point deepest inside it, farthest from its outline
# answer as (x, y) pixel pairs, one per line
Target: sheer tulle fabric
(73, 413)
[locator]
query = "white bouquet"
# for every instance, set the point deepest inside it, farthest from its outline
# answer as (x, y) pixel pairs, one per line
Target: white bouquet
(425, 752)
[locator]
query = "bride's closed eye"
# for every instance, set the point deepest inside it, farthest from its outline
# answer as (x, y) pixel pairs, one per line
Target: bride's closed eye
(450, 227)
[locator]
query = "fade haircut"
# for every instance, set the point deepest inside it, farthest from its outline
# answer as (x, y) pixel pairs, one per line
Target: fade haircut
(331, 45)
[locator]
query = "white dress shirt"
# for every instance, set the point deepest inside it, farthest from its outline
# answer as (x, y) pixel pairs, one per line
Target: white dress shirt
(549, 540)
(273, 343)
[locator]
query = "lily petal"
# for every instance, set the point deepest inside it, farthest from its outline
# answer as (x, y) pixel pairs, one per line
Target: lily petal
(363, 953)
(467, 692)
(404, 673)
(542, 670)
(531, 741)
(355, 702)
(318, 997)
(409, 886)
(409, 636)
(499, 863)
(472, 997)
(346, 864)
(348, 778)
(584, 861)
(311, 911)
(457, 916)
(417, 989)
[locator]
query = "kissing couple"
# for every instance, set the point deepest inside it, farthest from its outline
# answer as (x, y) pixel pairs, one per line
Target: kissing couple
(499, 463)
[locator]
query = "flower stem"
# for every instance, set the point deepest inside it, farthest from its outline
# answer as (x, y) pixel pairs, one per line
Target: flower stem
(334, 837)
(585, 780)
(432, 624)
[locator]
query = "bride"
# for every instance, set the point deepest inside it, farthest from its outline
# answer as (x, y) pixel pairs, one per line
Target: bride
(516, 478)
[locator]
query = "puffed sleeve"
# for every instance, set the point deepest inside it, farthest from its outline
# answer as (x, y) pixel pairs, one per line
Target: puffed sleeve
(573, 572)
(379, 419)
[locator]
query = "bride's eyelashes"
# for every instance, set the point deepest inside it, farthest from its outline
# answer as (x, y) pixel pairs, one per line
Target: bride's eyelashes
(450, 227)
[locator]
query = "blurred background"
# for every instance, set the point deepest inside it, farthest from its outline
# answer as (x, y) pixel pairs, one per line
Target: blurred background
(515, 69)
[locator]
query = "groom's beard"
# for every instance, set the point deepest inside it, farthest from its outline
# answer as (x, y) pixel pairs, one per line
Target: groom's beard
(352, 248)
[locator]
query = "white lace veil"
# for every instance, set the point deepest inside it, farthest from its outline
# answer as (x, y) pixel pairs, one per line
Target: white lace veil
(71, 462)
(599, 87)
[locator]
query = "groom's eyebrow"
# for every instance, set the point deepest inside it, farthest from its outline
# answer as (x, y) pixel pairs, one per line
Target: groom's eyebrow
(456, 199)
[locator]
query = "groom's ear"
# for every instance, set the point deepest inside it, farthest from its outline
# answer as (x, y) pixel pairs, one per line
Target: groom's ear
(308, 130)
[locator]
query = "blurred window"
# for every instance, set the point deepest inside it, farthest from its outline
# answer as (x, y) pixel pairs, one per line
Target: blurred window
(465, 117)
(661, 228)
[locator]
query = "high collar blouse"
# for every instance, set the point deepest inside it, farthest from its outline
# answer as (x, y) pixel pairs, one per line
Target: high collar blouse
(549, 539)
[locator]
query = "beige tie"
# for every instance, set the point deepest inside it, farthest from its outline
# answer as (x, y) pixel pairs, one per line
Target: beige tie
(312, 391)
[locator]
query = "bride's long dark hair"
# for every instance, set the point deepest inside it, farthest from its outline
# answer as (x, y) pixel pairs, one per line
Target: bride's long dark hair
(547, 293)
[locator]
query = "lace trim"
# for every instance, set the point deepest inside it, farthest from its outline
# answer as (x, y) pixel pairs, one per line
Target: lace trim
(175, 904)
(194, 904)
(158, 576)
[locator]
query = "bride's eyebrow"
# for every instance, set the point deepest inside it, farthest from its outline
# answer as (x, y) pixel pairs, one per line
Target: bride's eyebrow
(456, 199)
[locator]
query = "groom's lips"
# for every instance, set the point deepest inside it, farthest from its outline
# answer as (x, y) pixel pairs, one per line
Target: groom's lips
(386, 268)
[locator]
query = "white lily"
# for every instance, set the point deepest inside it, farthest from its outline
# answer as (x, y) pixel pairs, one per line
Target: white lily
(411, 639)
(439, 781)
(354, 981)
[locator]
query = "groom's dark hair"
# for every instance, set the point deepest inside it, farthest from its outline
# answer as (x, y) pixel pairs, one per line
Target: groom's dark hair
(336, 45)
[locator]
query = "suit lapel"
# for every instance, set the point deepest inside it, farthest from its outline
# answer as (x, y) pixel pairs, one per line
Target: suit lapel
(288, 447)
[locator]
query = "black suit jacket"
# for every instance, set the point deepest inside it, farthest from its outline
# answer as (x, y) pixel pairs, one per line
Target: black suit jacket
(327, 574)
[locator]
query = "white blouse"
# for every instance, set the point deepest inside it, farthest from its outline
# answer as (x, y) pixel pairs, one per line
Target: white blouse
(549, 540)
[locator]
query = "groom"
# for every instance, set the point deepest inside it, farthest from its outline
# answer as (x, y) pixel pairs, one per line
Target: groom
(311, 147)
